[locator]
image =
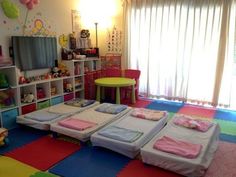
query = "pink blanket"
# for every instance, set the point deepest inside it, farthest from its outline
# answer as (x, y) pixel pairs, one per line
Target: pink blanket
(148, 114)
(196, 124)
(177, 147)
(76, 124)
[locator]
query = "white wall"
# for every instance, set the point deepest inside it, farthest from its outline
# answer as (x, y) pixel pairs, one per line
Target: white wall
(56, 17)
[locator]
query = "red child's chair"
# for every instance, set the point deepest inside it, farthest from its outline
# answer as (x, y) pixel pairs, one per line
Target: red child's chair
(132, 74)
(110, 72)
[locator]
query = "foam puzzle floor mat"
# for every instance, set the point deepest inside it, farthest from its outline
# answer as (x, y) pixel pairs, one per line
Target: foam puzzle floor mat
(44, 152)
(91, 162)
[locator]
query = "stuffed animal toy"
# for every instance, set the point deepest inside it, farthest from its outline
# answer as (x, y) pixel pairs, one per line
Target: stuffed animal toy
(7, 98)
(69, 87)
(63, 69)
(28, 98)
(55, 72)
(84, 33)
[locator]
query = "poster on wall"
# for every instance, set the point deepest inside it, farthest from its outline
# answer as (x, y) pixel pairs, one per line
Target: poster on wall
(75, 15)
(114, 40)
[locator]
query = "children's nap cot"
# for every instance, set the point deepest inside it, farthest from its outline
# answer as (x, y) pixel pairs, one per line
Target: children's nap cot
(42, 119)
(185, 147)
(82, 125)
(128, 134)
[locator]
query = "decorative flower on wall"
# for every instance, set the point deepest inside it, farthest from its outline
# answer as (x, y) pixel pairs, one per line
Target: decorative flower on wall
(29, 3)
(12, 11)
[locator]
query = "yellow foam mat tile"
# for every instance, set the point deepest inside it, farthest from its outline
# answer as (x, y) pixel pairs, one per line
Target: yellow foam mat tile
(13, 168)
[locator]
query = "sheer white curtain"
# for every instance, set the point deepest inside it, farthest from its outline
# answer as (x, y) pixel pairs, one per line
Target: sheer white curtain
(228, 85)
(176, 44)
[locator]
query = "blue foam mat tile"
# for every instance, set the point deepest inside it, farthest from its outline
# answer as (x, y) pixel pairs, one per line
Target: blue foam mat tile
(228, 138)
(166, 106)
(225, 115)
(21, 136)
(91, 161)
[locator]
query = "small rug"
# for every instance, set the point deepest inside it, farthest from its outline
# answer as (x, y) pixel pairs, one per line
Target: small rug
(91, 161)
(136, 168)
(44, 152)
(13, 168)
(225, 115)
(21, 136)
(223, 163)
(197, 111)
(165, 106)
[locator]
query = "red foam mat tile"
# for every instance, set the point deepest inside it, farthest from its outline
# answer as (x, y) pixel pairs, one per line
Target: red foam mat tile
(44, 152)
(197, 111)
(138, 169)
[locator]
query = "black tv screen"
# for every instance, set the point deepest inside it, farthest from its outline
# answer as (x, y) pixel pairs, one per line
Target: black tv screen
(34, 52)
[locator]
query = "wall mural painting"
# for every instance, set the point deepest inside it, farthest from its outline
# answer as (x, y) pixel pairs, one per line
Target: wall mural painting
(37, 26)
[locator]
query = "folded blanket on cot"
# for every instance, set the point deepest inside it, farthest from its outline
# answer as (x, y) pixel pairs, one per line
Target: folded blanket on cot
(42, 116)
(80, 102)
(63, 109)
(76, 124)
(111, 108)
(177, 147)
(120, 134)
(148, 114)
(188, 122)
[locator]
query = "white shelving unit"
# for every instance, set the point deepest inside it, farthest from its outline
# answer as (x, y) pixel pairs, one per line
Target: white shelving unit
(54, 91)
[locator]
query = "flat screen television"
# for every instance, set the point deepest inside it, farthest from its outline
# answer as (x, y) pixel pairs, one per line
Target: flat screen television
(31, 53)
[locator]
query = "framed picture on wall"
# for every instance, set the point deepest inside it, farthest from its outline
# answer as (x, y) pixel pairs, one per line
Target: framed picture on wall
(76, 21)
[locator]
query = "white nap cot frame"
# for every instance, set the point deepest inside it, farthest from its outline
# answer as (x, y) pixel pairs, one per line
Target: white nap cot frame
(91, 115)
(62, 109)
(188, 167)
(149, 128)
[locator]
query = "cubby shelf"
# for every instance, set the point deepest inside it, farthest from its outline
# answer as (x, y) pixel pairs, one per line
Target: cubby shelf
(53, 90)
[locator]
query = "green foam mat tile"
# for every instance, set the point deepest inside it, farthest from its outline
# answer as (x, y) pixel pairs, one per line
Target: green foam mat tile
(43, 174)
(227, 127)
(170, 115)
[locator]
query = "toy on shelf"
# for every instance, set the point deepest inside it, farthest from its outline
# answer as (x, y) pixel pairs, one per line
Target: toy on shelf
(27, 98)
(53, 90)
(7, 99)
(77, 69)
(78, 81)
(64, 70)
(22, 80)
(40, 93)
(60, 71)
(3, 81)
(55, 72)
(3, 137)
(67, 87)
